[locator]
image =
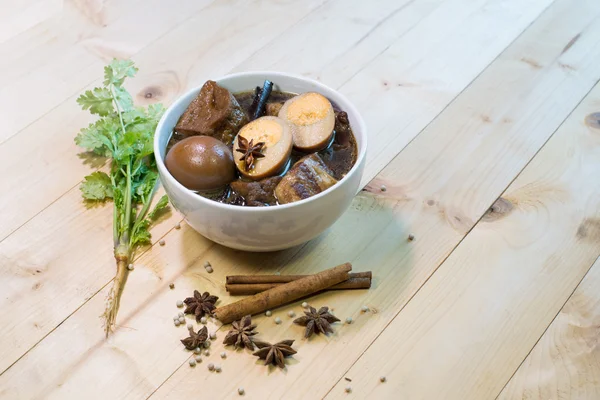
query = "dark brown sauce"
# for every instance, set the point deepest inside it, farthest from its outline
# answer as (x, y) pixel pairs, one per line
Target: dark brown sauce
(340, 156)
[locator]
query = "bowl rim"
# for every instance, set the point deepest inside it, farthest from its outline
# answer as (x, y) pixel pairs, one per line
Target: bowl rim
(350, 109)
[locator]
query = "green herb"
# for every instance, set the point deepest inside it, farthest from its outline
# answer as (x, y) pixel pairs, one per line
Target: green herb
(124, 134)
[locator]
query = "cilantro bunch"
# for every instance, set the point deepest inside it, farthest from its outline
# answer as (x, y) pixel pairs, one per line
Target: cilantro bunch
(124, 134)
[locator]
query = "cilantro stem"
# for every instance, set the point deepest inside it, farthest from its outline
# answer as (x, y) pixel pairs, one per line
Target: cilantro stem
(128, 211)
(117, 106)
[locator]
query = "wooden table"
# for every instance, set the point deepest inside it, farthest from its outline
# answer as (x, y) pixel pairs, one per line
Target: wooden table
(476, 113)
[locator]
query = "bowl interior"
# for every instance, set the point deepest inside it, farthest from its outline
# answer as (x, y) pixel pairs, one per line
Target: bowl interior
(246, 81)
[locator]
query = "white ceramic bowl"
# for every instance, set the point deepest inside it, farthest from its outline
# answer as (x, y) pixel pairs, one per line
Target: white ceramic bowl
(262, 228)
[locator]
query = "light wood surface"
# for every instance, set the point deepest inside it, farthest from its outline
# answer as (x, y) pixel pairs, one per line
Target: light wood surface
(475, 112)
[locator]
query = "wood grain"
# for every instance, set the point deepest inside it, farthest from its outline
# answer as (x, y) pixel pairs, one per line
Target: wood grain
(386, 221)
(476, 319)
(408, 65)
(93, 282)
(565, 363)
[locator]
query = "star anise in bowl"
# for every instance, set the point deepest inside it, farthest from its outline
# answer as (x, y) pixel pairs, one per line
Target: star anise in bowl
(274, 353)
(241, 334)
(250, 151)
(316, 321)
(195, 339)
(200, 304)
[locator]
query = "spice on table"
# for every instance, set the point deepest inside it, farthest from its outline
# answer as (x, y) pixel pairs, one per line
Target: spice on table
(268, 313)
(274, 353)
(171, 286)
(277, 320)
(364, 309)
(196, 339)
(217, 368)
(161, 242)
(349, 320)
(213, 336)
(382, 379)
(182, 320)
(242, 285)
(179, 303)
(240, 335)
(197, 350)
(348, 379)
(291, 314)
(206, 353)
(190, 326)
(383, 188)
(209, 270)
(241, 391)
(203, 320)
(211, 367)
(223, 355)
(192, 363)
(198, 358)
(176, 322)
(130, 267)
(348, 389)
(180, 314)
(200, 304)
(411, 237)
(178, 226)
(206, 344)
(283, 294)
(305, 305)
(316, 321)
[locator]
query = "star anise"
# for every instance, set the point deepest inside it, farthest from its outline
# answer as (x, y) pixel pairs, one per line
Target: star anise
(200, 304)
(274, 353)
(195, 339)
(316, 321)
(250, 151)
(241, 334)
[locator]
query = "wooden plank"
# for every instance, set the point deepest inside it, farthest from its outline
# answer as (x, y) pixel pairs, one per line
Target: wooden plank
(57, 59)
(381, 225)
(476, 319)
(565, 363)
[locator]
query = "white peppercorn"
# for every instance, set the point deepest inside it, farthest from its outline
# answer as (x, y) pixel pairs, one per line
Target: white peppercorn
(268, 313)
(277, 320)
(179, 303)
(349, 320)
(305, 305)
(192, 363)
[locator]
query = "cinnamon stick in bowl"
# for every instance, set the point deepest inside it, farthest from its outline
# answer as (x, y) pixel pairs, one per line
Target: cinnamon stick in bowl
(282, 294)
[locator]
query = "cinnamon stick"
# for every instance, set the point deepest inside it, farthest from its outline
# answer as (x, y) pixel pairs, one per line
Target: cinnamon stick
(241, 289)
(245, 279)
(283, 294)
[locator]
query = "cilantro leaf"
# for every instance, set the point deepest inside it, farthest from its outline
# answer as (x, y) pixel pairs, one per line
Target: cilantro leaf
(98, 137)
(98, 100)
(159, 207)
(116, 72)
(97, 186)
(124, 99)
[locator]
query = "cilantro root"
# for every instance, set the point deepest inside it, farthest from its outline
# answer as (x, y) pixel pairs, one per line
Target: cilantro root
(124, 134)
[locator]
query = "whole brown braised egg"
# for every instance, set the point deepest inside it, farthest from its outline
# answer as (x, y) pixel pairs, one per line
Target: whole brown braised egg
(201, 163)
